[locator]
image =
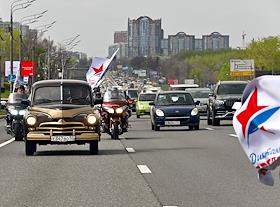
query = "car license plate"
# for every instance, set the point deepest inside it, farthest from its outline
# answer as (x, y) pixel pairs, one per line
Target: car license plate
(62, 138)
(172, 123)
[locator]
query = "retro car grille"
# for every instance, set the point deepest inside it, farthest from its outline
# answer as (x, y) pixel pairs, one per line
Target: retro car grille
(51, 128)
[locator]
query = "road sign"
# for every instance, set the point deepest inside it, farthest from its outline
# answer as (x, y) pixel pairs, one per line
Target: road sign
(240, 67)
(26, 68)
(16, 66)
(11, 78)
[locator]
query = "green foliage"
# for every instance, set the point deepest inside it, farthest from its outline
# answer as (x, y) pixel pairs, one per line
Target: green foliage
(210, 66)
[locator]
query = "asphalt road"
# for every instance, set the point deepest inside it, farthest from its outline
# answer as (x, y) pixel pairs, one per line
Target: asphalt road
(183, 168)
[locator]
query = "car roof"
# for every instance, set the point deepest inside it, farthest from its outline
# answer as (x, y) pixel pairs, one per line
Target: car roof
(233, 82)
(58, 81)
(166, 92)
(197, 89)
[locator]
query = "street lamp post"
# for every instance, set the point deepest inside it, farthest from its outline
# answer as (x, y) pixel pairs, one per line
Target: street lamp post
(16, 5)
(40, 29)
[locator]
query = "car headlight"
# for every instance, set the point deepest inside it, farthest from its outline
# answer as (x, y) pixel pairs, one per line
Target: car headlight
(31, 120)
(194, 112)
(159, 112)
(220, 102)
(91, 119)
(14, 112)
(119, 110)
(21, 112)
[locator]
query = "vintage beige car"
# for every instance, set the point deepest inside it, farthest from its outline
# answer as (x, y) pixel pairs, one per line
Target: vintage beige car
(61, 112)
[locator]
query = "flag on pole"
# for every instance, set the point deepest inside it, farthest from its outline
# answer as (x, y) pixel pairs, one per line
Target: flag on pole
(257, 121)
(98, 69)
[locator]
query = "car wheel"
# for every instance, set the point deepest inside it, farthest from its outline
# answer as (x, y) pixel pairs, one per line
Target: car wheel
(138, 116)
(215, 121)
(18, 132)
(191, 128)
(30, 148)
(209, 121)
(157, 128)
(196, 127)
(93, 147)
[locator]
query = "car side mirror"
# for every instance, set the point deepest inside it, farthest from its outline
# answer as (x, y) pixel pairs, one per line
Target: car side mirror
(152, 103)
(197, 102)
(98, 101)
(25, 102)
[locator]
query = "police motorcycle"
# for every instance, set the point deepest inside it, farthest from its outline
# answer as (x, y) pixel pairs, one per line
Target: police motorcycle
(115, 113)
(15, 108)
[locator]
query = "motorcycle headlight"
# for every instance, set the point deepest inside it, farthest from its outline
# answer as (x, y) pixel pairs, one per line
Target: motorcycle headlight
(31, 120)
(119, 110)
(159, 112)
(220, 102)
(194, 112)
(14, 112)
(21, 112)
(91, 119)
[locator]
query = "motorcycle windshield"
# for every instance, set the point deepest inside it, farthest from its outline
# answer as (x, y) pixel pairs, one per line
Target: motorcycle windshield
(15, 98)
(114, 96)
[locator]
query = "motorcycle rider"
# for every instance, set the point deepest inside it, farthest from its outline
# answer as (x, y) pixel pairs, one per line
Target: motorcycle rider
(116, 96)
(19, 90)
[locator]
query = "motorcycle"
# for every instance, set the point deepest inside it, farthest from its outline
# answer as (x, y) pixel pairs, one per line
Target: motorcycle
(15, 113)
(115, 113)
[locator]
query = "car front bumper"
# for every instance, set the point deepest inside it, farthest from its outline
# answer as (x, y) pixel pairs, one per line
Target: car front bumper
(41, 136)
(177, 121)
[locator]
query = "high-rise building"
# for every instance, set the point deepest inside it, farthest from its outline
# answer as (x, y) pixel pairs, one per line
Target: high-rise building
(16, 25)
(180, 41)
(198, 44)
(215, 41)
(120, 37)
(123, 50)
(144, 37)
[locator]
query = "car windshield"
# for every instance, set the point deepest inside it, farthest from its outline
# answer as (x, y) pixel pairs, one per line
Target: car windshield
(147, 97)
(231, 89)
(132, 93)
(200, 93)
(174, 99)
(77, 95)
(114, 95)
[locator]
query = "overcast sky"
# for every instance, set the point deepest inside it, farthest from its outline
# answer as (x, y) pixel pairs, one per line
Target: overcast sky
(96, 20)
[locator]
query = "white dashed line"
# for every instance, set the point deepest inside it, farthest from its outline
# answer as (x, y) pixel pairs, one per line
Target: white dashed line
(7, 142)
(169, 206)
(144, 169)
(122, 137)
(233, 135)
(130, 150)
(210, 129)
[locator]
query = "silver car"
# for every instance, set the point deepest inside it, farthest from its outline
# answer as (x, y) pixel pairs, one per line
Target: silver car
(201, 95)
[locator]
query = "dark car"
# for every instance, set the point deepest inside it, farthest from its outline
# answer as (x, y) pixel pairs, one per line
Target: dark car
(221, 100)
(133, 94)
(174, 108)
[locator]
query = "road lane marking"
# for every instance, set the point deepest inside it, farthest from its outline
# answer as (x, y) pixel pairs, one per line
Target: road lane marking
(7, 142)
(144, 169)
(130, 150)
(233, 135)
(210, 129)
(122, 137)
(169, 206)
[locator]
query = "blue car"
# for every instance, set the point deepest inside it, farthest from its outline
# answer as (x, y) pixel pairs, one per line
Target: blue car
(174, 108)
